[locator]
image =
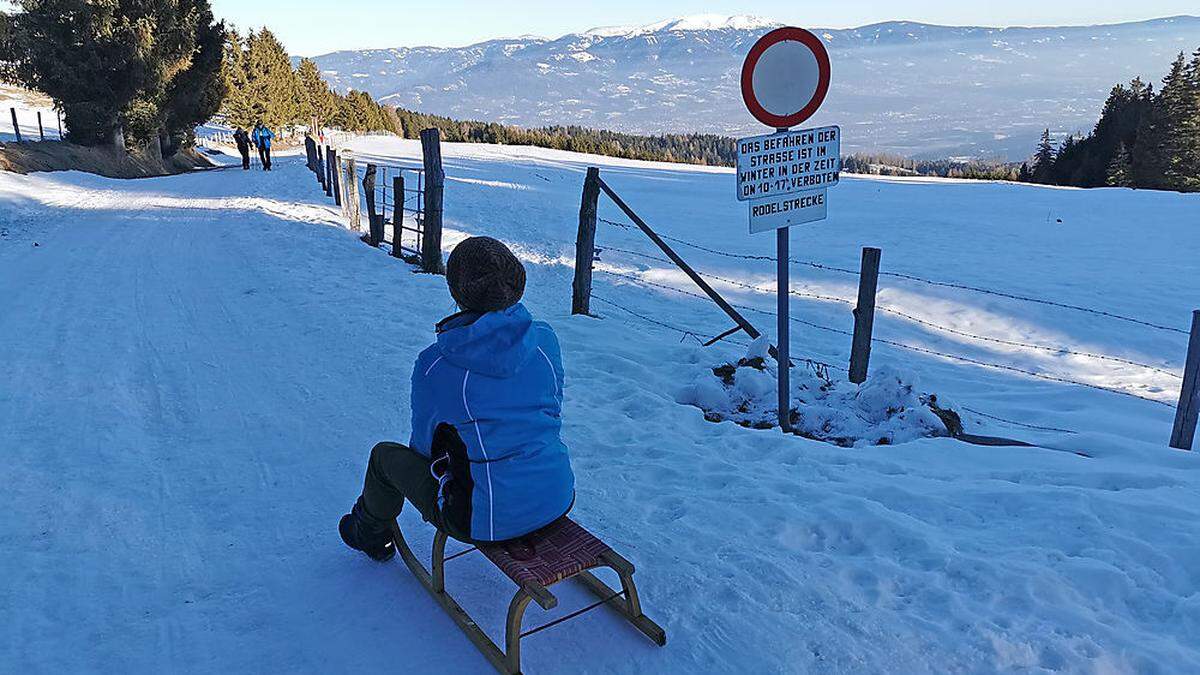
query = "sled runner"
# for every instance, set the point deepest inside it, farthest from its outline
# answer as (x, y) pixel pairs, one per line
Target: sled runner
(562, 550)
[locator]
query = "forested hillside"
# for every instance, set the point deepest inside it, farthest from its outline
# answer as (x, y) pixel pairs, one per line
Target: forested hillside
(1144, 138)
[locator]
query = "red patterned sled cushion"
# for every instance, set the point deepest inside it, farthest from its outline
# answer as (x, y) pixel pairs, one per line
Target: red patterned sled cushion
(558, 551)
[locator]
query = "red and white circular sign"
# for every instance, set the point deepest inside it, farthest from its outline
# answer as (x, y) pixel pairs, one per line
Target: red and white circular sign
(785, 77)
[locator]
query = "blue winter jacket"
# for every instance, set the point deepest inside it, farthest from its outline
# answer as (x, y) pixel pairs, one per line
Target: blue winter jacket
(497, 379)
(263, 136)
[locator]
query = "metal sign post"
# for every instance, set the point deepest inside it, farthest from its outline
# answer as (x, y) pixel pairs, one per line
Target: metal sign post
(785, 176)
(783, 292)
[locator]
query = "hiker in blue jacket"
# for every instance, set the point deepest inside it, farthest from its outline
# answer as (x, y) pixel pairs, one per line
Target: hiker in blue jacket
(262, 137)
(485, 461)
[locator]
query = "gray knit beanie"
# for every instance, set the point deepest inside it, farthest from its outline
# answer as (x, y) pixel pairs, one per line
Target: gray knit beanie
(484, 276)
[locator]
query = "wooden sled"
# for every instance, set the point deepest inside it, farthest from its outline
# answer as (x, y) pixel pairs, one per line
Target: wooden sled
(560, 551)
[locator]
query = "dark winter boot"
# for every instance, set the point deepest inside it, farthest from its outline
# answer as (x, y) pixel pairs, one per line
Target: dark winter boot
(363, 533)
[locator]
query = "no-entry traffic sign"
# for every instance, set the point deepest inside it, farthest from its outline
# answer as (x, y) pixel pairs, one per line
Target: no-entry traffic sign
(785, 175)
(785, 77)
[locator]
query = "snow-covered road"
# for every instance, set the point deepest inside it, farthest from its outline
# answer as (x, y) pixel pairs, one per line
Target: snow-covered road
(195, 367)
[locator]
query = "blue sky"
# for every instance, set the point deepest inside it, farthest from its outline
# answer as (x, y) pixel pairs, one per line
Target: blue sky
(311, 27)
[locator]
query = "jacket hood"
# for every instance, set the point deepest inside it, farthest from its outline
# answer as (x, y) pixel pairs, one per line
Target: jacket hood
(495, 344)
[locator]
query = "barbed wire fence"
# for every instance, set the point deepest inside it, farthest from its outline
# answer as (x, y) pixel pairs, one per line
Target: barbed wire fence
(632, 278)
(380, 194)
(1054, 349)
(55, 133)
(403, 203)
(912, 277)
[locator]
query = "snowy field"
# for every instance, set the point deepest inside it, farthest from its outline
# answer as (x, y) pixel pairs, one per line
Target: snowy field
(28, 106)
(196, 366)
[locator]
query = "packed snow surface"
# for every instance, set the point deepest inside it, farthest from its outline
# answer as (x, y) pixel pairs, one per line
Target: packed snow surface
(195, 367)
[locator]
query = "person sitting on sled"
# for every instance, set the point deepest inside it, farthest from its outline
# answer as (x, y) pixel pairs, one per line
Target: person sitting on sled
(485, 461)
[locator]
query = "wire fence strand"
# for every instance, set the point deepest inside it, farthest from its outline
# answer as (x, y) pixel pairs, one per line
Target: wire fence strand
(914, 278)
(813, 362)
(1053, 349)
(900, 345)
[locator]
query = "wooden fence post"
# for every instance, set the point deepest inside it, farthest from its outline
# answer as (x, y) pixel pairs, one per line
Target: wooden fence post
(397, 214)
(60, 133)
(1186, 414)
(374, 220)
(435, 180)
(350, 201)
(16, 127)
(321, 173)
(864, 315)
(331, 174)
(41, 131)
(585, 244)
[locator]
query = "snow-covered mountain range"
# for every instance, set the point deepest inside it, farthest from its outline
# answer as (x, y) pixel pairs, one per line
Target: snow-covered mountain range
(912, 88)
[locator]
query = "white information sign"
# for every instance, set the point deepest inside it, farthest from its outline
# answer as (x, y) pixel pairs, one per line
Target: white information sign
(774, 213)
(788, 161)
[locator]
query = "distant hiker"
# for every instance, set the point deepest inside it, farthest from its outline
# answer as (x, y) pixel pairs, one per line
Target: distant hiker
(485, 461)
(262, 136)
(243, 145)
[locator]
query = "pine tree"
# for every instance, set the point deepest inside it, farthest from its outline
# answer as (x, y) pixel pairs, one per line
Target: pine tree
(271, 89)
(1120, 169)
(236, 107)
(88, 56)
(1043, 161)
(196, 93)
(1187, 143)
(167, 42)
(110, 66)
(1177, 102)
(317, 100)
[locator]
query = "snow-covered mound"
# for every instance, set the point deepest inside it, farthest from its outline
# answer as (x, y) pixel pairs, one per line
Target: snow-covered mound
(885, 410)
(194, 369)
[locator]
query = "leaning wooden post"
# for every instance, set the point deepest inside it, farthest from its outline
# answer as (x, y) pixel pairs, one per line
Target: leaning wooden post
(41, 131)
(397, 215)
(16, 127)
(1184, 432)
(864, 315)
(435, 180)
(585, 244)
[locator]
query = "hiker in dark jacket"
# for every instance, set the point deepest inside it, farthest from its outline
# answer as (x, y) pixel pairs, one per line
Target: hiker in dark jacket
(262, 138)
(243, 145)
(485, 461)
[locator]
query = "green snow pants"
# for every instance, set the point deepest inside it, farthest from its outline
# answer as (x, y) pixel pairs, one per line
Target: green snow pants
(396, 472)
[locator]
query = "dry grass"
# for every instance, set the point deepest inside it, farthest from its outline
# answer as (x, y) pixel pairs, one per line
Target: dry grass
(105, 161)
(28, 157)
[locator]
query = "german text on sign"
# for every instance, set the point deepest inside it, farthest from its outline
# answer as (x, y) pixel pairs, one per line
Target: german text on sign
(773, 213)
(788, 162)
